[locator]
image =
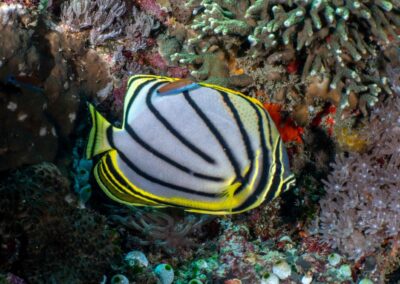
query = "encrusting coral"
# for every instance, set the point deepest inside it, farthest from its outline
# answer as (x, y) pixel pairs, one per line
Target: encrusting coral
(360, 212)
(43, 77)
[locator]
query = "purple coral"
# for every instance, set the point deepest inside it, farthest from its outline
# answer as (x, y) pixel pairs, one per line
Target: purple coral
(153, 8)
(101, 16)
(361, 209)
(13, 279)
(138, 31)
(105, 20)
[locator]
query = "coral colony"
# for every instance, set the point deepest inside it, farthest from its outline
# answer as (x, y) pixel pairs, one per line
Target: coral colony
(327, 72)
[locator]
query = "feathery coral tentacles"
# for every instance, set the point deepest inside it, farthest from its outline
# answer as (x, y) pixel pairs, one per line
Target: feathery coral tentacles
(361, 209)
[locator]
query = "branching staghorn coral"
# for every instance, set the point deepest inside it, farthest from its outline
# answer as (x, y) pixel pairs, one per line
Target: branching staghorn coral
(361, 210)
(221, 18)
(202, 51)
(337, 40)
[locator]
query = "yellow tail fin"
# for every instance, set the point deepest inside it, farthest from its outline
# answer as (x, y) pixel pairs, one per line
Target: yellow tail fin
(98, 141)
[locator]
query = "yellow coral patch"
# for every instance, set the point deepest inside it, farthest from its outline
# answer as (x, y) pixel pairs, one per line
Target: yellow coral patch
(349, 139)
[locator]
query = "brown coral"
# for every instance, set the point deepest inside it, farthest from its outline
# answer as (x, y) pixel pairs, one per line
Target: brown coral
(42, 74)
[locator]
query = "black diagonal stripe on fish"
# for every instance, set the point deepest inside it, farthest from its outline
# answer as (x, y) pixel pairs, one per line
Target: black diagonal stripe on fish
(171, 149)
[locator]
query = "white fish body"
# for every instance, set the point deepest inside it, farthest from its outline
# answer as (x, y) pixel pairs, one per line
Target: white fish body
(208, 150)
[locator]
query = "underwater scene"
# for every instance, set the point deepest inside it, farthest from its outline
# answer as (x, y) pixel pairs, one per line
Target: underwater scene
(199, 141)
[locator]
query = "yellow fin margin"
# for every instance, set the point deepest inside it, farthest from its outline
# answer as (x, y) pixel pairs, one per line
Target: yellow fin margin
(227, 90)
(97, 142)
(113, 188)
(137, 80)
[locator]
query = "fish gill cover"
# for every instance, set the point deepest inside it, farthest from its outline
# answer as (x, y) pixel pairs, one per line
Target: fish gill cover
(326, 71)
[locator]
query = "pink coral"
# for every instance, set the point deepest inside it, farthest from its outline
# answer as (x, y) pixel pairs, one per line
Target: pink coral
(156, 61)
(119, 95)
(236, 253)
(153, 8)
(13, 279)
(178, 72)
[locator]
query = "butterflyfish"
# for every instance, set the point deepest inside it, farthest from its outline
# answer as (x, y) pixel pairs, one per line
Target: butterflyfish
(195, 146)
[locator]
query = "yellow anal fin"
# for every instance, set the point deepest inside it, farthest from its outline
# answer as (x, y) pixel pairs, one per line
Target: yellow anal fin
(109, 180)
